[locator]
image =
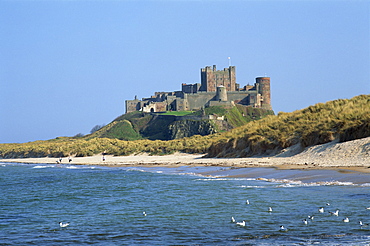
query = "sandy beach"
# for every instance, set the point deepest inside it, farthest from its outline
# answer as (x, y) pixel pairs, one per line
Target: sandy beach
(352, 155)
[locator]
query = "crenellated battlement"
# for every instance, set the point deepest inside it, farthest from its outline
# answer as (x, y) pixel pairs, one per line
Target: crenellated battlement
(217, 88)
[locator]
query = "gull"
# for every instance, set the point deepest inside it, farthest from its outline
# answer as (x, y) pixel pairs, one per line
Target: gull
(362, 224)
(247, 202)
(232, 219)
(241, 223)
(270, 209)
(305, 221)
(336, 213)
(346, 220)
(310, 217)
(321, 210)
(282, 228)
(61, 224)
(144, 213)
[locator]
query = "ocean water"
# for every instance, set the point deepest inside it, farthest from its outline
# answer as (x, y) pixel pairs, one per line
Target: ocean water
(183, 206)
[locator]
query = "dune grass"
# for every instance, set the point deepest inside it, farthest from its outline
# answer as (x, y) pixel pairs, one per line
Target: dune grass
(343, 119)
(321, 123)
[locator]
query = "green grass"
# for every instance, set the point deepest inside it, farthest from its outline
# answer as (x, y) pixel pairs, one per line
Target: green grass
(343, 119)
(139, 125)
(123, 130)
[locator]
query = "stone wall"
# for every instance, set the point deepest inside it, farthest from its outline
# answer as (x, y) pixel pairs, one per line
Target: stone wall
(211, 78)
(132, 105)
(199, 100)
(197, 96)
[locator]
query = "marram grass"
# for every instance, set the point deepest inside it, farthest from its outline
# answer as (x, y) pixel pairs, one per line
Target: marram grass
(321, 123)
(343, 119)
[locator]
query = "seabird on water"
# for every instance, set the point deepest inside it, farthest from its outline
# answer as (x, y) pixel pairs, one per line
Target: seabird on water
(282, 228)
(346, 220)
(61, 224)
(321, 210)
(362, 224)
(241, 223)
(232, 219)
(336, 213)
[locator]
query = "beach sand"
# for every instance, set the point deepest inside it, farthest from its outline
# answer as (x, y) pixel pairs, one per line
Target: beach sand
(352, 155)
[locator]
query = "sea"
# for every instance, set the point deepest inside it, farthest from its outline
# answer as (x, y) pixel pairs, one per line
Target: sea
(178, 206)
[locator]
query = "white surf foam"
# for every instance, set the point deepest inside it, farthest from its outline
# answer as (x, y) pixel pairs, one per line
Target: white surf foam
(38, 166)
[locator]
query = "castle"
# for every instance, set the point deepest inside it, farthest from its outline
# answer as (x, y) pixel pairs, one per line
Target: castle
(217, 88)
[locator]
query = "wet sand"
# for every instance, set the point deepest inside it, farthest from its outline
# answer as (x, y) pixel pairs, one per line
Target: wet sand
(236, 168)
(345, 162)
(192, 165)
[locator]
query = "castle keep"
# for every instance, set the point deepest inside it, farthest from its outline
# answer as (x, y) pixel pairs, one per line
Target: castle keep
(217, 88)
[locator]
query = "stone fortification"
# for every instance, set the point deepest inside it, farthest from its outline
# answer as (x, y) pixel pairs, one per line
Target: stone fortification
(211, 78)
(217, 88)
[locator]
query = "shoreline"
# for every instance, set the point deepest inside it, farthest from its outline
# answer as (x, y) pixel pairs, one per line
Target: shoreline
(350, 155)
(182, 159)
(271, 169)
(350, 158)
(263, 168)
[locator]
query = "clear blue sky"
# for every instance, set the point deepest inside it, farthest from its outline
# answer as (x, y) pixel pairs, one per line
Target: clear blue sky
(66, 66)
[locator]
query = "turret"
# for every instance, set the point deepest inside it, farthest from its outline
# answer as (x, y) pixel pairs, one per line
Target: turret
(263, 88)
(221, 94)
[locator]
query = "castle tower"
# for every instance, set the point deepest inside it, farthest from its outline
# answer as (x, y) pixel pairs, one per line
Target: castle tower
(263, 85)
(211, 78)
(221, 94)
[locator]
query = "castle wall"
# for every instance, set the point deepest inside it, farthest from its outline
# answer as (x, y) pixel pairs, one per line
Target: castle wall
(255, 100)
(241, 97)
(161, 106)
(203, 99)
(197, 96)
(171, 103)
(181, 104)
(132, 105)
(190, 88)
(199, 100)
(211, 78)
(221, 103)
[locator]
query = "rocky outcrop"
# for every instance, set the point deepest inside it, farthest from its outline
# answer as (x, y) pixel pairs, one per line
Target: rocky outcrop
(188, 128)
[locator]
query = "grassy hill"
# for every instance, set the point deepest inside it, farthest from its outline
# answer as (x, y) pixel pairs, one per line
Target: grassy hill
(138, 125)
(344, 119)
